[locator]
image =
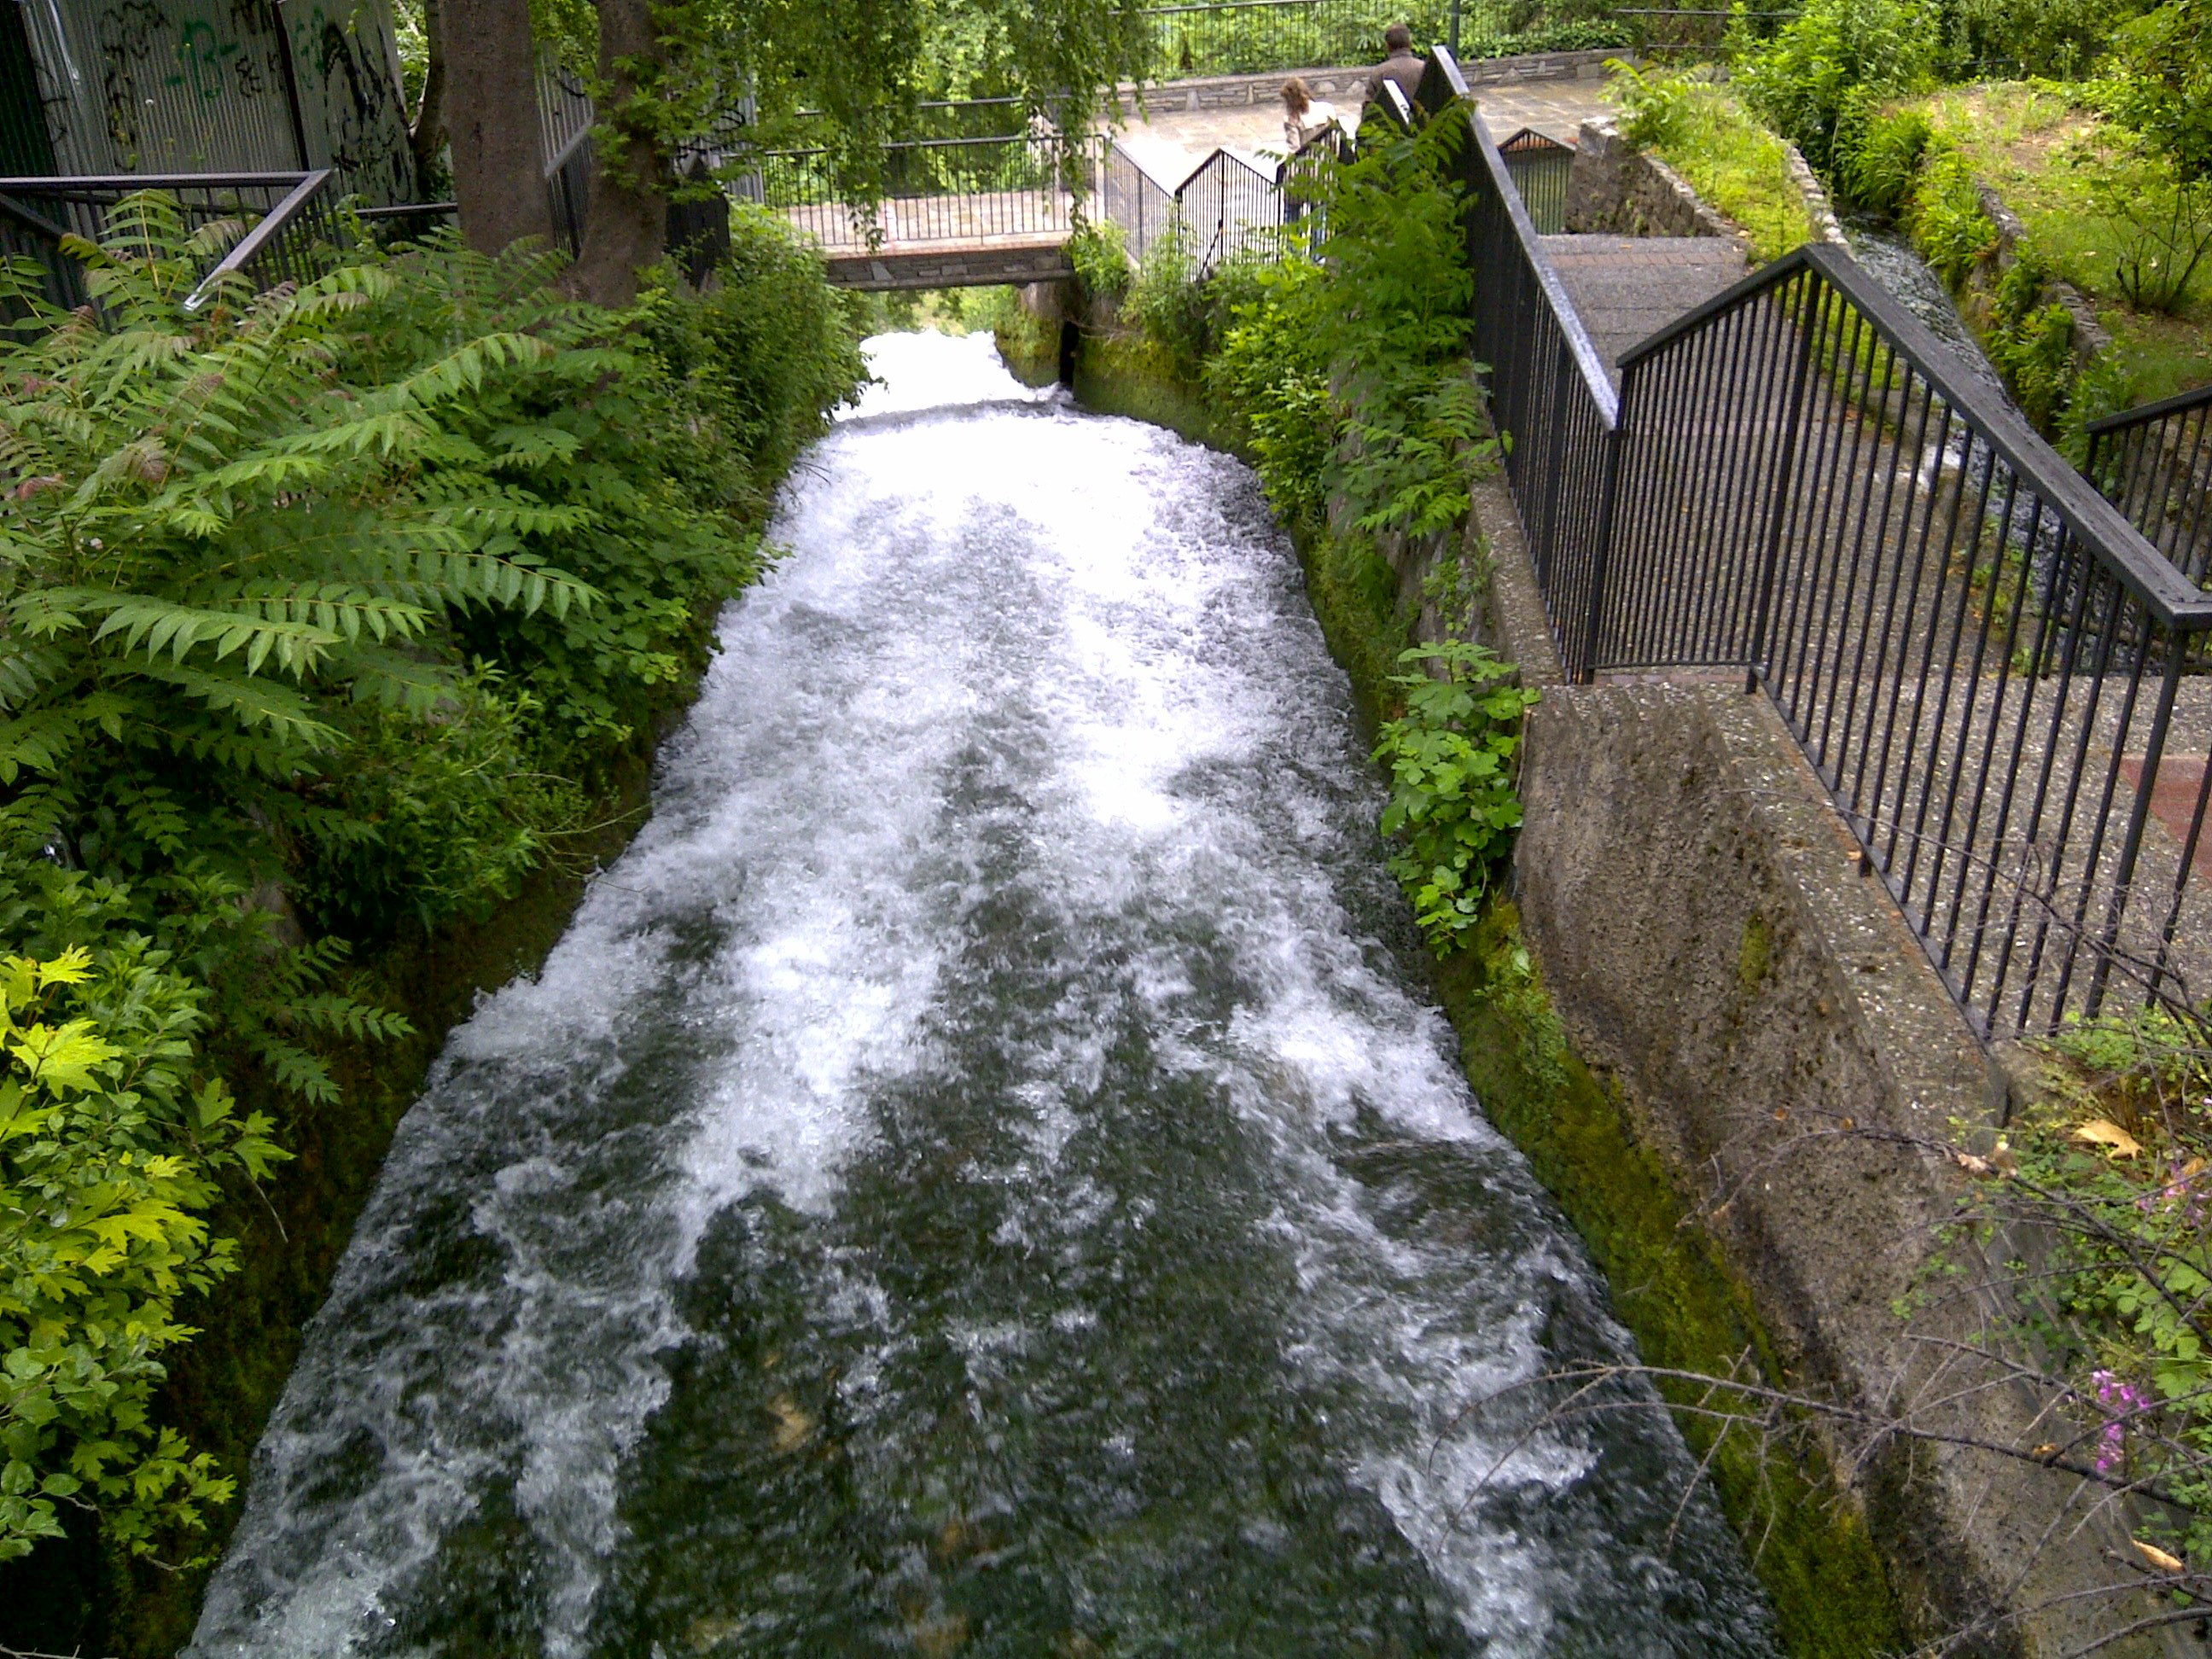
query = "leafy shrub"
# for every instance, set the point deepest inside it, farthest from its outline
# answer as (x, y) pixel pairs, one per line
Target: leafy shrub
(1949, 226)
(1166, 301)
(1101, 255)
(432, 817)
(1272, 373)
(1828, 69)
(1655, 103)
(2059, 39)
(2157, 224)
(348, 593)
(1452, 804)
(2159, 84)
(112, 1143)
(2032, 343)
(1880, 172)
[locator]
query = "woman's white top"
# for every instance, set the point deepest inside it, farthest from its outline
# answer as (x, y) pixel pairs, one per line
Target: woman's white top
(1319, 118)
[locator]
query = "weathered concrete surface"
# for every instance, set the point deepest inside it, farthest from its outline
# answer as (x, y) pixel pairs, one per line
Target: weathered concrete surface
(1011, 261)
(1778, 1038)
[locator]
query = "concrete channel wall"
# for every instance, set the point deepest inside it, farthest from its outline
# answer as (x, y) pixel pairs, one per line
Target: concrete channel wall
(1775, 1035)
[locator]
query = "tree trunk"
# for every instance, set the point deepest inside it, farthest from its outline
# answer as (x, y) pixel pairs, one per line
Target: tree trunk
(427, 136)
(491, 82)
(628, 224)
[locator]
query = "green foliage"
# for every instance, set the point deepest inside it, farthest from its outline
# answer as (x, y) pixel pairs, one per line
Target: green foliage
(1101, 256)
(2032, 343)
(1825, 72)
(326, 612)
(2058, 38)
(2159, 84)
(1166, 302)
(1734, 164)
(111, 1145)
(1879, 174)
(1949, 227)
(1452, 805)
(432, 819)
(1272, 371)
(2156, 221)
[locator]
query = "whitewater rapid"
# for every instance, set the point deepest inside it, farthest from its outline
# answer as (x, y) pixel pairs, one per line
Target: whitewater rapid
(981, 1174)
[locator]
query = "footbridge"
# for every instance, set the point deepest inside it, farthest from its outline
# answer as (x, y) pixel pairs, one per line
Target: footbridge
(1205, 154)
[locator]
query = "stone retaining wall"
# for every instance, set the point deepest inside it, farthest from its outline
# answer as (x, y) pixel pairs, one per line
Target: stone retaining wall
(1347, 86)
(1617, 189)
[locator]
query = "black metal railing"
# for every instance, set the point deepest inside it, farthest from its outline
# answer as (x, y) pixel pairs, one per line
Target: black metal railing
(936, 189)
(2154, 463)
(1991, 670)
(1129, 196)
(1549, 392)
(288, 222)
(1539, 165)
(1261, 37)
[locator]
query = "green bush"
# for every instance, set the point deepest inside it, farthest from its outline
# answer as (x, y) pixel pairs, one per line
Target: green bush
(1879, 173)
(2159, 84)
(330, 606)
(2016, 40)
(1828, 70)
(1949, 226)
(1453, 808)
(113, 1141)
(1101, 256)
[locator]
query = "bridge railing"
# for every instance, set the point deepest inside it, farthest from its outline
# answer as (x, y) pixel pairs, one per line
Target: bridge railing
(936, 189)
(285, 219)
(1986, 665)
(2154, 463)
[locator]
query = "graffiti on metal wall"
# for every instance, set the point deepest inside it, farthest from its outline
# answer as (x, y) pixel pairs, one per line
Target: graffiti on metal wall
(201, 85)
(346, 63)
(187, 85)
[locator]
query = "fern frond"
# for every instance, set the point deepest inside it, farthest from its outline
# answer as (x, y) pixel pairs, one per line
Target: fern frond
(154, 626)
(288, 715)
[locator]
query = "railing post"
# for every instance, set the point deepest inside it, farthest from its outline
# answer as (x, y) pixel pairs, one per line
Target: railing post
(1608, 500)
(2146, 778)
(1785, 464)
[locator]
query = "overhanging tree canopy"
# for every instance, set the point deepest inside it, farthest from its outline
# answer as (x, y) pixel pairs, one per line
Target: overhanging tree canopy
(663, 71)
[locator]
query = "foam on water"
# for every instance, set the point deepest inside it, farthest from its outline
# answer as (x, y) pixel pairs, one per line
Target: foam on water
(992, 1100)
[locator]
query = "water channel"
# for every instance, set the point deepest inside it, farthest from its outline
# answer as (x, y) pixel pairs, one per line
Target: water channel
(983, 1174)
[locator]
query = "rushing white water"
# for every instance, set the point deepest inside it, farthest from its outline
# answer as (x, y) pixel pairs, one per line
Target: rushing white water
(980, 1174)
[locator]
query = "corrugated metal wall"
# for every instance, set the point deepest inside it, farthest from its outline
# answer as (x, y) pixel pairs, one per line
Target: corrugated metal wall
(199, 86)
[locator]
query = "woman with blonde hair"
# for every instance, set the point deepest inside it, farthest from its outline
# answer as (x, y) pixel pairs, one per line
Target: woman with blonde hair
(1305, 116)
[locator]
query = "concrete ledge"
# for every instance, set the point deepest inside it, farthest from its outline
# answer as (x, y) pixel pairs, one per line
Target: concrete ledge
(1342, 84)
(953, 266)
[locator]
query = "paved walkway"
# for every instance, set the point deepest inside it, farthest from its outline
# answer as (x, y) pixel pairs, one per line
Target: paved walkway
(1172, 143)
(1629, 287)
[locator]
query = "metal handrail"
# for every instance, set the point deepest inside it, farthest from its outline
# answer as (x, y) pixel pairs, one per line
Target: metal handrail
(274, 223)
(2144, 414)
(2175, 602)
(304, 197)
(1981, 659)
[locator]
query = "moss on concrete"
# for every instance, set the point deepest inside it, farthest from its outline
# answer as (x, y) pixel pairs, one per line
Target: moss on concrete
(1670, 1284)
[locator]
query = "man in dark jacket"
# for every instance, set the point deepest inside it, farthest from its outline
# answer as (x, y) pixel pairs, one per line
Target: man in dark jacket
(1403, 65)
